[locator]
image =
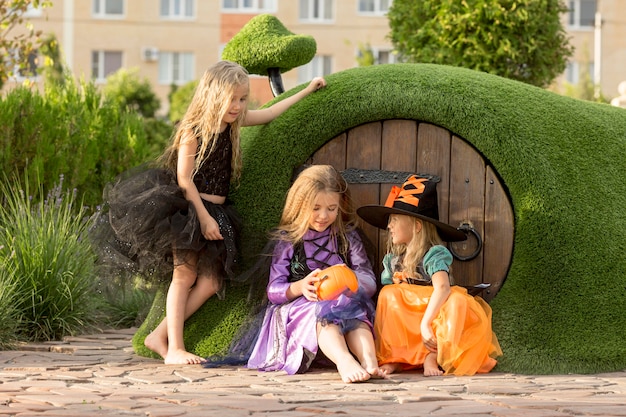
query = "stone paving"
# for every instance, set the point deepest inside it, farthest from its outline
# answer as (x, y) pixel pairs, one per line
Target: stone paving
(99, 375)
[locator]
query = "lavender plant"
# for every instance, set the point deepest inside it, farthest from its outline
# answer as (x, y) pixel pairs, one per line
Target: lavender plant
(47, 262)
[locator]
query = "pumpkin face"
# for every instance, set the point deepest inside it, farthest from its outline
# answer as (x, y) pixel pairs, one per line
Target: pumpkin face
(334, 280)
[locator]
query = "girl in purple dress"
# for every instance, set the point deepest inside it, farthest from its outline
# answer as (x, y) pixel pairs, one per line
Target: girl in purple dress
(317, 229)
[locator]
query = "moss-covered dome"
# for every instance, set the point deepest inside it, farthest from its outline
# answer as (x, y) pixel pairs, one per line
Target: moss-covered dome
(561, 159)
(264, 42)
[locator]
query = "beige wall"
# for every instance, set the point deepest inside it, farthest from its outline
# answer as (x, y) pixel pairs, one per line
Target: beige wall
(612, 47)
(80, 33)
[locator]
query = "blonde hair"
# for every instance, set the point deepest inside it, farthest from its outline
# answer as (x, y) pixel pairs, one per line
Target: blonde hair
(203, 118)
(413, 252)
(300, 202)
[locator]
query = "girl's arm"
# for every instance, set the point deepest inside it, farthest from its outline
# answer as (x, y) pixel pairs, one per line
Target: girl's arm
(386, 277)
(361, 264)
(441, 291)
(262, 116)
(184, 174)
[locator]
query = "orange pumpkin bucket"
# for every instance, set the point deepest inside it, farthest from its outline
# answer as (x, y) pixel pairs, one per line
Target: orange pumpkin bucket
(334, 280)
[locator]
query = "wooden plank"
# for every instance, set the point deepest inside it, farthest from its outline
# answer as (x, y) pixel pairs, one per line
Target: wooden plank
(399, 153)
(499, 232)
(332, 153)
(467, 205)
(364, 151)
(433, 157)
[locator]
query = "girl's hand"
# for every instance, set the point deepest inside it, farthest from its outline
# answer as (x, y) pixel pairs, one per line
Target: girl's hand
(315, 84)
(210, 228)
(428, 337)
(309, 290)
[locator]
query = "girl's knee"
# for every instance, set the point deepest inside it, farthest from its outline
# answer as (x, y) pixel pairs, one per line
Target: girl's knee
(184, 275)
(210, 284)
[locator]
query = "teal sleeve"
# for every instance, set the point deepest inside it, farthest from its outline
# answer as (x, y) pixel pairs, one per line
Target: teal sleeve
(438, 258)
(386, 277)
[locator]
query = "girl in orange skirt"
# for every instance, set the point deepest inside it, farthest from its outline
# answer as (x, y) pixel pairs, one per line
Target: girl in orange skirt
(422, 319)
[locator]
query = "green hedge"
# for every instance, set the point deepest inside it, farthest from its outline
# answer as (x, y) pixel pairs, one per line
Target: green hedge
(67, 130)
(561, 159)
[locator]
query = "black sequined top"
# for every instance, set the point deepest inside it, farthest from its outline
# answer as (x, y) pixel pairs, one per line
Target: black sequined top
(214, 174)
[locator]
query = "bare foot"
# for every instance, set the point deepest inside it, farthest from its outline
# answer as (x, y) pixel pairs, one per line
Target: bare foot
(431, 367)
(390, 368)
(351, 371)
(156, 344)
(373, 369)
(182, 357)
(377, 373)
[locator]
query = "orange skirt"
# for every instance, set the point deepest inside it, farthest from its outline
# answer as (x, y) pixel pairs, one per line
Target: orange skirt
(466, 343)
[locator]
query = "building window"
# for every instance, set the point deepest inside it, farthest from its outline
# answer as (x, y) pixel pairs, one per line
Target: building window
(383, 56)
(374, 7)
(104, 63)
(178, 9)
(581, 13)
(108, 8)
(33, 11)
(176, 68)
(576, 70)
(248, 6)
(320, 66)
(368, 55)
(316, 10)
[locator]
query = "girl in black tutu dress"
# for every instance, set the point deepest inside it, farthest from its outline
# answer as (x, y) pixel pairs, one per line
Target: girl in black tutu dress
(175, 218)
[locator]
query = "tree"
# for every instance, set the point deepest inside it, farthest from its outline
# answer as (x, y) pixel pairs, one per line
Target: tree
(17, 51)
(519, 39)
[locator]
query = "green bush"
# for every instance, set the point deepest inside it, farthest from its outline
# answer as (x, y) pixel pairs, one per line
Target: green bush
(48, 266)
(180, 100)
(70, 130)
(127, 89)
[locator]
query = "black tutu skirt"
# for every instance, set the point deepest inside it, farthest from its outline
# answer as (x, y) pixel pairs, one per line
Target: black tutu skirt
(146, 226)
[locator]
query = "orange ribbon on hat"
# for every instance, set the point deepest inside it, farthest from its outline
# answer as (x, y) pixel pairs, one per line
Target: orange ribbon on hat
(395, 191)
(407, 196)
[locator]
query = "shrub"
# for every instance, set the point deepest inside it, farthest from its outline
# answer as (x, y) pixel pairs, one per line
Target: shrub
(69, 130)
(47, 262)
(180, 100)
(127, 89)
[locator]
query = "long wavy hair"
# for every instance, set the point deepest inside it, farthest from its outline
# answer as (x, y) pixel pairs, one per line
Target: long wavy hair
(300, 202)
(413, 252)
(203, 118)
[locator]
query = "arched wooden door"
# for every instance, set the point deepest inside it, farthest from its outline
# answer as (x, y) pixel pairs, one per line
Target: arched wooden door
(469, 191)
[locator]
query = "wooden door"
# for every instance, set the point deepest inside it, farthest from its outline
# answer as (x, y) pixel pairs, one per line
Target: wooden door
(469, 191)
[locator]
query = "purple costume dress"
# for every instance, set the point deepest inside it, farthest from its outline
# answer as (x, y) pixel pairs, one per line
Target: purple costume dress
(288, 336)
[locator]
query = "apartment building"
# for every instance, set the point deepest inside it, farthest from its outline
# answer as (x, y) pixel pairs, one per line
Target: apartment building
(597, 30)
(173, 41)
